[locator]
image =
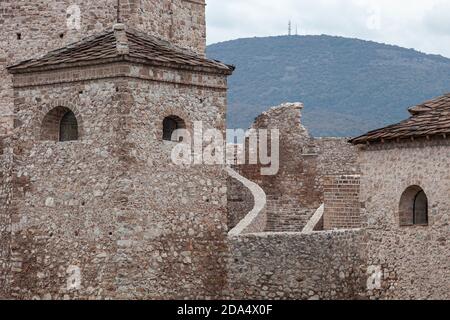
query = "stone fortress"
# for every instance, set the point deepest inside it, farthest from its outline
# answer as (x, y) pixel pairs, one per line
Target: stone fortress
(92, 207)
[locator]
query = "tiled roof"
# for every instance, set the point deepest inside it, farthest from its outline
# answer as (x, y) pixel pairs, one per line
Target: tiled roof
(110, 46)
(428, 119)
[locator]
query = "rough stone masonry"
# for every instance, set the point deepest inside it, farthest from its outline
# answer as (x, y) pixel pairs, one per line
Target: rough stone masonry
(32, 28)
(107, 215)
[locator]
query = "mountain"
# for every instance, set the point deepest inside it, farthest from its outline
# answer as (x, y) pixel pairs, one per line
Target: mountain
(348, 86)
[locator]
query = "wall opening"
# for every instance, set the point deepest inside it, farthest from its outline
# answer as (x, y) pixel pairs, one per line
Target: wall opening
(170, 125)
(68, 128)
(413, 207)
(60, 124)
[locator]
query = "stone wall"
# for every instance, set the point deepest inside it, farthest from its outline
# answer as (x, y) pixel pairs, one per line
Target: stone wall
(342, 209)
(336, 156)
(109, 215)
(32, 28)
(239, 202)
(183, 22)
(407, 262)
(293, 194)
(5, 217)
(6, 113)
(321, 265)
(181, 249)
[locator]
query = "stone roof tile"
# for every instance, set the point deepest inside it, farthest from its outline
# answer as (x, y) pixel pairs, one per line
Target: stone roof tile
(109, 46)
(428, 119)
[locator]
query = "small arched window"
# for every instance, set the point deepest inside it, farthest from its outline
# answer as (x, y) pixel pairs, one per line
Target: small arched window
(60, 124)
(170, 125)
(414, 207)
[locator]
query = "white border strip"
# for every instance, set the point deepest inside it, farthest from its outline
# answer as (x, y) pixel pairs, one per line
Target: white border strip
(312, 223)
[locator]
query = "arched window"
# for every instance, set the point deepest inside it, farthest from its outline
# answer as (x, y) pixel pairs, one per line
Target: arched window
(413, 207)
(60, 124)
(170, 124)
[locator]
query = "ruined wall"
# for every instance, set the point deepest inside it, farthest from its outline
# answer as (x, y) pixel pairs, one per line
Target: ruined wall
(323, 265)
(296, 191)
(409, 262)
(342, 209)
(30, 29)
(293, 194)
(109, 215)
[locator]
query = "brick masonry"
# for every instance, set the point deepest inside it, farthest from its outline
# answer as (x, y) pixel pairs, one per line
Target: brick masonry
(342, 208)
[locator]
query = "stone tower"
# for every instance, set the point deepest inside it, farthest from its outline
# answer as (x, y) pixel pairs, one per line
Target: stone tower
(91, 205)
(29, 28)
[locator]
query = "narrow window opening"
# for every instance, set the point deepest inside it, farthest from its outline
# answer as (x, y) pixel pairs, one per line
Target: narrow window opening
(60, 124)
(68, 127)
(170, 125)
(420, 209)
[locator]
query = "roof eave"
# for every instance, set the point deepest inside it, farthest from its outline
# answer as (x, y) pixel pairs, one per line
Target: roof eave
(16, 69)
(412, 137)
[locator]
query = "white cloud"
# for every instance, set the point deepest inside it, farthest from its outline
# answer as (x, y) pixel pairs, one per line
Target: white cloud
(420, 24)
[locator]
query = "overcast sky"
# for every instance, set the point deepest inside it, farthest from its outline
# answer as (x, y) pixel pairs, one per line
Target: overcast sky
(420, 24)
